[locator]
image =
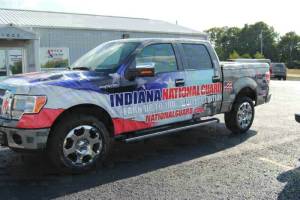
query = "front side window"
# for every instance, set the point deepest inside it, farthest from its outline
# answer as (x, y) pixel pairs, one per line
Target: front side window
(197, 56)
(107, 56)
(160, 55)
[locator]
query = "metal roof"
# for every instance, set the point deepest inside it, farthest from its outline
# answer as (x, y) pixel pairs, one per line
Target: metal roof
(30, 18)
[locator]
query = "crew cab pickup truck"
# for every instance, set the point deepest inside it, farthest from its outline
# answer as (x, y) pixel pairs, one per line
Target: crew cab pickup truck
(127, 90)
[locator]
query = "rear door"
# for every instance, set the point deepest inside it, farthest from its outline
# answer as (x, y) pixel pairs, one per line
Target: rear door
(205, 89)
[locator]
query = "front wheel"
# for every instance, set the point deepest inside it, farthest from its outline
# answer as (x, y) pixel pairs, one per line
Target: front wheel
(240, 118)
(78, 143)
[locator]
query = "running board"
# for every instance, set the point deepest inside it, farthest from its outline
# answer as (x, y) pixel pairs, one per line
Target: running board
(171, 130)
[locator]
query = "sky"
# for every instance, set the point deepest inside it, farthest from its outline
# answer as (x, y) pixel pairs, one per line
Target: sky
(283, 15)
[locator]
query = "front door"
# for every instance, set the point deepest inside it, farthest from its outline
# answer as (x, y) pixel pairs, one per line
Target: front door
(15, 61)
(11, 61)
(153, 101)
(205, 94)
(3, 66)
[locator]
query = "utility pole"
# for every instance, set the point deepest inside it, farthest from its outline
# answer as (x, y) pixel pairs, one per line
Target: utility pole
(261, 43)
(291, 51)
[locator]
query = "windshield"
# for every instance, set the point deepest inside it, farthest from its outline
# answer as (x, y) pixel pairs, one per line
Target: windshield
(278, 66)
(106, 57)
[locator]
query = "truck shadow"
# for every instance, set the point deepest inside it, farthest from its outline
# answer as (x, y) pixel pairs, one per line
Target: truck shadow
(31, 176)
(292, 188)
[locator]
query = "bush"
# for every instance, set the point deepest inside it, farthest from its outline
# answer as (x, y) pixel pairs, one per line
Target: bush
(56, 64)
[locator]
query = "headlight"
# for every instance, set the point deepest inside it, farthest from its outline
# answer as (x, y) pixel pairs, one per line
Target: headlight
(22, 104)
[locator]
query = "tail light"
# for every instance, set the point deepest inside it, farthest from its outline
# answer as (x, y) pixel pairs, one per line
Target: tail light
(268, 76)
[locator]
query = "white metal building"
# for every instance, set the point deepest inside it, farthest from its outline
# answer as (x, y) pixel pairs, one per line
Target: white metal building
(35, 40)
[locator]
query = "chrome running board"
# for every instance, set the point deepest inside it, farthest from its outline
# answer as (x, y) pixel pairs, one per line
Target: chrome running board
(171, 130)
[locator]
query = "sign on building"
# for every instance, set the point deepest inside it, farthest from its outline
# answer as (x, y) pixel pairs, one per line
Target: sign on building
(54, 57)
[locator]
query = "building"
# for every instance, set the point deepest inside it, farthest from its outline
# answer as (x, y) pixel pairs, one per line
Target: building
(39, 40)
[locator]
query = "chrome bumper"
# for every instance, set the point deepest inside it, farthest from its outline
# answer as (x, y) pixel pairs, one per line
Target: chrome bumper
(31, 139)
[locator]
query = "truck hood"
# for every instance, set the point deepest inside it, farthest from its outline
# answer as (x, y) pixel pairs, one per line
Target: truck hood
(85, 80)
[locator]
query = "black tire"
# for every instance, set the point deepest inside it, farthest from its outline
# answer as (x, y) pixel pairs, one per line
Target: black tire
(284, 78)
(231, 118)
(59, 133)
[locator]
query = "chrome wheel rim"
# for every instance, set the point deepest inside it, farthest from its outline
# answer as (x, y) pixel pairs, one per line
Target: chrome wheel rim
(244, 115)
(82, 144)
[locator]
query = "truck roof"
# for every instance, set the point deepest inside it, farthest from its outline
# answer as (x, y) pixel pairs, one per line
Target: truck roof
(163, 40)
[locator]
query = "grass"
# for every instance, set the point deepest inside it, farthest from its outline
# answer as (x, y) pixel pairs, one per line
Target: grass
(293, 74)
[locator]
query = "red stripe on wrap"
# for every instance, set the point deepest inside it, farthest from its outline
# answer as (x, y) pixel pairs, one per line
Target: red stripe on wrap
(127, 125)
(44, 119)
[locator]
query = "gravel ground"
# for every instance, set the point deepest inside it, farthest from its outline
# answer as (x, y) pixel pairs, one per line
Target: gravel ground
(203, 163)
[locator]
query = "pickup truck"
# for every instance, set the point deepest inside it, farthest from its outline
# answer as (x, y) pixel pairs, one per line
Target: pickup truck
(127, 90)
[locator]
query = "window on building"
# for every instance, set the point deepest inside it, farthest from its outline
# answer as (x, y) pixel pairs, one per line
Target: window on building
(197, 56)
(161, 55)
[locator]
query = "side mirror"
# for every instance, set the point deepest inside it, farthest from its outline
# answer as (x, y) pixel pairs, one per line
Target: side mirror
(141, 70)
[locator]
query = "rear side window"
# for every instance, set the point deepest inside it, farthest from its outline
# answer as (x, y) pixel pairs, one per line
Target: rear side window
(161, 55)
(197, 56)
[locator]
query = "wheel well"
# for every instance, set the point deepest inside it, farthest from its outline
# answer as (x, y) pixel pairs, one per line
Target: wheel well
(247, 92)
(90, 109)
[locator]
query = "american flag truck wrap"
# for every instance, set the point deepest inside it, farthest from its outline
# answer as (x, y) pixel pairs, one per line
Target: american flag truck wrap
(127, 90)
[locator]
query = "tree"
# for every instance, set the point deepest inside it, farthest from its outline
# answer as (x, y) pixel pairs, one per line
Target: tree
(246, 55)
(234, 55)
(258, 55)
(289, 49)
(215, 36)
(231, 42)
(250, 43)
(225, 40)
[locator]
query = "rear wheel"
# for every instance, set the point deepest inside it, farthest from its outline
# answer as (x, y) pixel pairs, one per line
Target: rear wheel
(78, 143)
(240, 118)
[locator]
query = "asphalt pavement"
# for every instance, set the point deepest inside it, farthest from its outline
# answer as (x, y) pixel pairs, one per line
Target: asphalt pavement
(202, 163)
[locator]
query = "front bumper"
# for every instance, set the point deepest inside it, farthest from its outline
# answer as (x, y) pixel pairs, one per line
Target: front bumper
(31, 139)
(297, 117)
(263, 99)
(268, 98)
(278, 74)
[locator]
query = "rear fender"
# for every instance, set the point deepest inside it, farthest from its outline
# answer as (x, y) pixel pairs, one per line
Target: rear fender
(238, 86)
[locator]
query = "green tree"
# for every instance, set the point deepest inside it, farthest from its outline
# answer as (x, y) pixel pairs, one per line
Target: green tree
(250, 43)
(247, 42)
(289, 49)
(246, 55)
(215, 36)
(258, 55)
(234, 55)
(225, 40)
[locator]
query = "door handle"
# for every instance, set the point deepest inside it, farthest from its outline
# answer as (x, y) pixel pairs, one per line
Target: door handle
(179, 82)
(216, 79)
